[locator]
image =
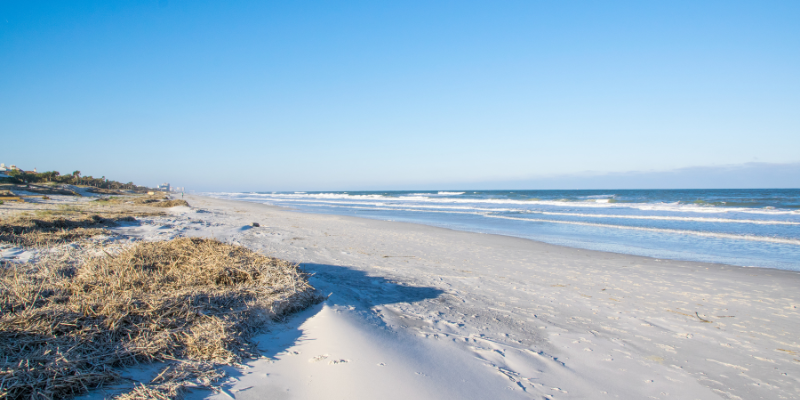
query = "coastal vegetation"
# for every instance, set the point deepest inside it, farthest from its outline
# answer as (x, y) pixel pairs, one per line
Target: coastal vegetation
(86, 305)
(49, 229)
(75, 178)
(164, 202)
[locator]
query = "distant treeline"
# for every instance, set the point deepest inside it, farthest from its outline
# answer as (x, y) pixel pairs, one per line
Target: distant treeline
(18, 176)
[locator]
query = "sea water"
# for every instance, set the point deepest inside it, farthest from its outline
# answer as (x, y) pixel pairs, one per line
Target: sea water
(752, 227)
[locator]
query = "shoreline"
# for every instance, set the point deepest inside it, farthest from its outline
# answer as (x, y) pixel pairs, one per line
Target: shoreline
(530, 316)
(538, 242)
(644, 229)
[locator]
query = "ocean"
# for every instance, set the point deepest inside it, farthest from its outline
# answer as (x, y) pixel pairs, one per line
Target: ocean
(746, 227)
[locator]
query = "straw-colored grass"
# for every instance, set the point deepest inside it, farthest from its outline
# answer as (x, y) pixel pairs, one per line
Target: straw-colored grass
(170, 203)
(151, 201)
(66, 323)
(45, 229)
(174, 380)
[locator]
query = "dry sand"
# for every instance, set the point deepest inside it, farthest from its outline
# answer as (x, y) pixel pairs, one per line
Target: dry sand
(422, 312)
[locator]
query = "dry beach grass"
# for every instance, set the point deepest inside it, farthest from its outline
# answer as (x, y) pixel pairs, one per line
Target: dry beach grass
(50, 225)
(76, 313)
(64, 326)
(150, 201)
(27, 230)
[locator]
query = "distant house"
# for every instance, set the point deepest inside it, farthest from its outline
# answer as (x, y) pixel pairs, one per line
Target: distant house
(164, 187)
(8, 169)
(5, 170)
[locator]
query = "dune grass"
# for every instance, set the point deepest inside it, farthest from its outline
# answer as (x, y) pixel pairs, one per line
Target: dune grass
(66, 321)
(45, 229)
(150, 201)
(170, 203)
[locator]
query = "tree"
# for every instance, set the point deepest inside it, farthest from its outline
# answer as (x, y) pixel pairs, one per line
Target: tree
(48, 176)
(16, 176)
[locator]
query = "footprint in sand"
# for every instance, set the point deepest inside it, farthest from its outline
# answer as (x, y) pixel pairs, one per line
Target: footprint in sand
(319, 358)
(334, 362)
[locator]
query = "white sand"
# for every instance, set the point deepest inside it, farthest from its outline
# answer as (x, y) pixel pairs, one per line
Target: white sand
(418, 312)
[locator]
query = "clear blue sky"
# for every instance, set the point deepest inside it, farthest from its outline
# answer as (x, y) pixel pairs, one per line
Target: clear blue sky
(305, 95)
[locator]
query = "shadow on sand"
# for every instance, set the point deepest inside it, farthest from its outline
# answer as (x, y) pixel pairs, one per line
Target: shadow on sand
(347, 289)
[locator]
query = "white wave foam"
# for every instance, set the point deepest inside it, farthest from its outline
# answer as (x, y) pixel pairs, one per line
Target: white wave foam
(325, 196)
(662, 218)
(425, 211)
(637, 228)
(446, 204)
(402, 207)
(423, 208)
(668, 207)
(451, 193)
(795, 242)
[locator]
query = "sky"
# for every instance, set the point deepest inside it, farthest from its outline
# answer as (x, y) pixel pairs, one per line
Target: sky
(358, 95)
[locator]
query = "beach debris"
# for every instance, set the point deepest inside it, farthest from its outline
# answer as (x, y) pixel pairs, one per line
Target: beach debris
(256, 224)
(701, 318)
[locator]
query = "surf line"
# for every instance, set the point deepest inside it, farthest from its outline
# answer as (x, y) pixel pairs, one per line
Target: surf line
(662, 218)
(795, 242)
(477, 211)
(421, 208)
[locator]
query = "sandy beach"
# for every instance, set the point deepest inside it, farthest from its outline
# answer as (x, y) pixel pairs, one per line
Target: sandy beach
(216, 200)
(423, 312)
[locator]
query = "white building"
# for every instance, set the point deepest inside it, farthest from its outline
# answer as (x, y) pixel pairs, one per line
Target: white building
(4, 170)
